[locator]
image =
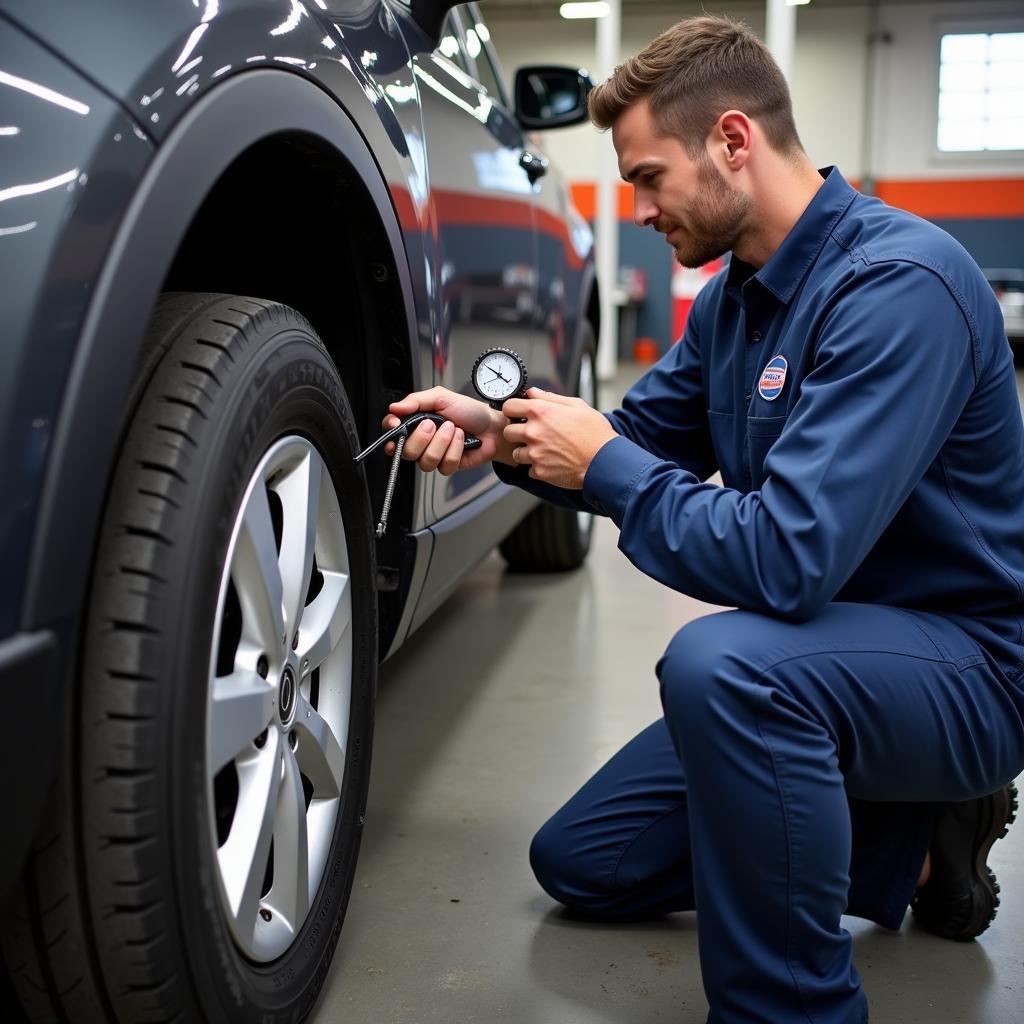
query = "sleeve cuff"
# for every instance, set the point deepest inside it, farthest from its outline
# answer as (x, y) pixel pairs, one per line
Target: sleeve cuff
(613, 474)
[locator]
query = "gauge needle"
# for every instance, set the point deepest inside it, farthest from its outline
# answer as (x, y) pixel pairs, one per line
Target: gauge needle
(496, 373)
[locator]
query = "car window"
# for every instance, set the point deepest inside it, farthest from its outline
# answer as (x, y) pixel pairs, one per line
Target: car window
(488, 71)
(451, 45)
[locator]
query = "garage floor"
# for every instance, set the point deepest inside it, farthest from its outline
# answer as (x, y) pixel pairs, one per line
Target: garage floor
(507, 700)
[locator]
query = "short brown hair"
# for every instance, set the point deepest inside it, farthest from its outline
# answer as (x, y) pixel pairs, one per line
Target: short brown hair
(691, 74)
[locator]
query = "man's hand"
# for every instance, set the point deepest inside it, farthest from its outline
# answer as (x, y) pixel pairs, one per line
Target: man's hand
(441, 448)
(559, 439)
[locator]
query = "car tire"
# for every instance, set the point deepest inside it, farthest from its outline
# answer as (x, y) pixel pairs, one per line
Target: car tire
(553, 539)
(199, 850)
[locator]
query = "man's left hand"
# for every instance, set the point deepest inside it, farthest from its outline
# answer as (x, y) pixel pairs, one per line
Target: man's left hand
(559, 439)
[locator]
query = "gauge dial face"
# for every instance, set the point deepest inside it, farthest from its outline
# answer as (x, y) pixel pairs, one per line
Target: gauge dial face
(498, 375)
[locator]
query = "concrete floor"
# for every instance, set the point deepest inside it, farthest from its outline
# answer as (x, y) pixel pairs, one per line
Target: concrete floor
(507, 700)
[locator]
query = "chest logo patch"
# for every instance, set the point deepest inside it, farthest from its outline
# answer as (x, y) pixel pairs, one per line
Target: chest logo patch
(773, 378)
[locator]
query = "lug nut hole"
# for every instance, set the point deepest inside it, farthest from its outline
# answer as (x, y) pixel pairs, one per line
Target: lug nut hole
(263, 666)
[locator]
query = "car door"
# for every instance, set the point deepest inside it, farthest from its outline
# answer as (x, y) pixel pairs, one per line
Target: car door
(483, 217)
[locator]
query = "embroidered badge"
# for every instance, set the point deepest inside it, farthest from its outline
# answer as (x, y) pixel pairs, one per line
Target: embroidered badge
(773, 378)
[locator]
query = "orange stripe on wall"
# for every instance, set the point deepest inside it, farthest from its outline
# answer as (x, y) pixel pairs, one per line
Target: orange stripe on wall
(584, 198)
(972, 197)
(961, 197)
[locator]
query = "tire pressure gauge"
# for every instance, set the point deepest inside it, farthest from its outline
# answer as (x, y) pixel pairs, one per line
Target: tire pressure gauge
(499, 374)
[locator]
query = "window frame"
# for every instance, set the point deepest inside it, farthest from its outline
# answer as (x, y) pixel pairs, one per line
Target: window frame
(469, 70)
(471, 10)
(980, 158)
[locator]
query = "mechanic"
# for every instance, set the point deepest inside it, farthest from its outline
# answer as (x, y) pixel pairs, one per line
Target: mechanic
(842, 741)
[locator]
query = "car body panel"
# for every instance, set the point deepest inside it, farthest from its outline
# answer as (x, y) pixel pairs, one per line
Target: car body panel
(213, 132)
(28, 682)
(130, 115)
(156, 58)
(482, 207)
(69, 159)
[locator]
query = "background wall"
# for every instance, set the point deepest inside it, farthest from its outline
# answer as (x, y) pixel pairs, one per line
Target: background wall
(865, 87)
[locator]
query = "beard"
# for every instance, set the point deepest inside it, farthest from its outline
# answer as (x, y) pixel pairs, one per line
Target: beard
(715, 218)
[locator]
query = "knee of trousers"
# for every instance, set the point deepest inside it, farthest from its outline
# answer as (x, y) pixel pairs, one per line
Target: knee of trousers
(708, 668)
(565, 871)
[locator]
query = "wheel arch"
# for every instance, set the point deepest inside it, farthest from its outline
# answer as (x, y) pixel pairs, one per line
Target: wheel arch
(164, 221)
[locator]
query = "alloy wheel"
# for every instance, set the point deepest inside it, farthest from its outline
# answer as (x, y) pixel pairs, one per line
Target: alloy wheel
(278, 698)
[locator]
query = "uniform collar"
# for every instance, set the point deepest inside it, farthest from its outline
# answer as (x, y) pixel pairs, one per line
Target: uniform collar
(788, 266)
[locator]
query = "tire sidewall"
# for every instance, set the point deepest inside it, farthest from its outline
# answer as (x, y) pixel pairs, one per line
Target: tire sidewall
(286, 385)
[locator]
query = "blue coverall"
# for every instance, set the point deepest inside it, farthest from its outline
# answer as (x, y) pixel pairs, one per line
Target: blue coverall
(857, 394)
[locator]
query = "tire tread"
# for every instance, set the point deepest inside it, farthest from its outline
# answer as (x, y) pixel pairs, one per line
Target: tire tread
(122, 646)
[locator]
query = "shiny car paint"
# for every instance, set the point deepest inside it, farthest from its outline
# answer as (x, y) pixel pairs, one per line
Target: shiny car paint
(117, 121)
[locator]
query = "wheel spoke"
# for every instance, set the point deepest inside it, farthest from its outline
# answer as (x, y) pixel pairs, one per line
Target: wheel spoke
(257, 576)
(289, 895)
(243, 858)
(242, 707)
(299, 492)
(288, 529)
(325, 620)
(319, 752)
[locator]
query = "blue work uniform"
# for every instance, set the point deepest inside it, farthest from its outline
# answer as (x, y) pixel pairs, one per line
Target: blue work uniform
(857, 395)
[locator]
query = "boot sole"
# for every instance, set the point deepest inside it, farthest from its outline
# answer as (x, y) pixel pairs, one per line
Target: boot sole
(1003, 806)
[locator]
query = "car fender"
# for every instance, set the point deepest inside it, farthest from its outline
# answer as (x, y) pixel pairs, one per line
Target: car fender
(221, 125)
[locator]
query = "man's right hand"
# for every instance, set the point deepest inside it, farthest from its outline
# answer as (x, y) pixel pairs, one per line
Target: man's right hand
(441, 448)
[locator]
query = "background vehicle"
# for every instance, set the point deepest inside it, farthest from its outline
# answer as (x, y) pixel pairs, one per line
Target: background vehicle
(1008, 284)
(231, 231)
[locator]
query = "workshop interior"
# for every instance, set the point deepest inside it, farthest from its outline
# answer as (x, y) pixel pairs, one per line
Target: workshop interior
(285, 709)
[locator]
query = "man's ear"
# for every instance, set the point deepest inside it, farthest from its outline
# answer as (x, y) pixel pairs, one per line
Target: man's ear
(733, 133)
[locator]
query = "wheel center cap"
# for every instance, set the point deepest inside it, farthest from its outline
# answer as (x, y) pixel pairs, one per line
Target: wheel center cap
(286, 695)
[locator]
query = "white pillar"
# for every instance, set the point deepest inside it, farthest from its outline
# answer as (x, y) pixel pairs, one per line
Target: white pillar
(780, 34)
(609, 33)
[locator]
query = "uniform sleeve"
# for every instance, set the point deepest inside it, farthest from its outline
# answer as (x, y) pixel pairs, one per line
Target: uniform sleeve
(663, 413)
(893, 370)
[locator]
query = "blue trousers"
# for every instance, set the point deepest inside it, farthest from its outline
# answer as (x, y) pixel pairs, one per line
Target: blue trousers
(794, 778)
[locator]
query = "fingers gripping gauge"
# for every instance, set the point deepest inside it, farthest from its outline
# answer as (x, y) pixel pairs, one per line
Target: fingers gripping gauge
(499, 374)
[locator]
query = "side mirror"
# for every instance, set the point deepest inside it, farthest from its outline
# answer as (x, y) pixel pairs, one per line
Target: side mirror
(550, 96)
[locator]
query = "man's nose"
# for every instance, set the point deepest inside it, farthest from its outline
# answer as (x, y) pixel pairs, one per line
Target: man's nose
(644, 211)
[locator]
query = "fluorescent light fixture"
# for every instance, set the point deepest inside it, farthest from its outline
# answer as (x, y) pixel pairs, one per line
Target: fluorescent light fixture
(797, 3)
(598, 9)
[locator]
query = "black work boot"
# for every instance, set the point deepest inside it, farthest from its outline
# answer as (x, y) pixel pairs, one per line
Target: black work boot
(961, 896)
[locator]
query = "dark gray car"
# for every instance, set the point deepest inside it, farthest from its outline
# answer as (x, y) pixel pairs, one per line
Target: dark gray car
(231, 231)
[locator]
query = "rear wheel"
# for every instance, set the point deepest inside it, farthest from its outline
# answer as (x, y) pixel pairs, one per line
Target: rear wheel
(552, 539)
(202, 839)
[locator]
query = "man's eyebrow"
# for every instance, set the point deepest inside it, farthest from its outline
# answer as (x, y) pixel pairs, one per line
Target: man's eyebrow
(641, 168)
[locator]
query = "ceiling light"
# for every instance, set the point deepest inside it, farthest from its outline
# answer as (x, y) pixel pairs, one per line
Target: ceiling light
(598, 9)
(797, 3)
